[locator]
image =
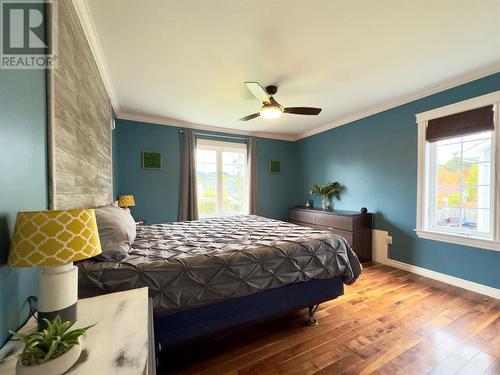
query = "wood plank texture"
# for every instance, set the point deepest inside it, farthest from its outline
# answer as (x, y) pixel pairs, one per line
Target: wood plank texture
(80, 121)
(389, 322)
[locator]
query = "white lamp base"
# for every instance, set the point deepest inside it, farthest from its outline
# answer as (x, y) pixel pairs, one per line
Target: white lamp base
(58, 293)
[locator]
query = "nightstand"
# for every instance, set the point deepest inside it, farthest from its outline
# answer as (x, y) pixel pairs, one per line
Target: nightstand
(121, 341)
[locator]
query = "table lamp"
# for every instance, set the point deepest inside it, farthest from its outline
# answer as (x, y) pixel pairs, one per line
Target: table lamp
(53, 240)
(126, 201)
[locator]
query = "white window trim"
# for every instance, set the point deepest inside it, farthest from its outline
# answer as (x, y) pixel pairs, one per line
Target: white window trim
(423, 173)
(220, 146)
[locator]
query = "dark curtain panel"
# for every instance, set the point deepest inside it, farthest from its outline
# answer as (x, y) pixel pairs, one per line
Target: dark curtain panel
(188, 200)
(458, 124)
(253, 207)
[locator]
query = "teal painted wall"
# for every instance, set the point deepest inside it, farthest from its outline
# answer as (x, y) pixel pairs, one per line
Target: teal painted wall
(23, 180)
(376, 159)
(157, 192)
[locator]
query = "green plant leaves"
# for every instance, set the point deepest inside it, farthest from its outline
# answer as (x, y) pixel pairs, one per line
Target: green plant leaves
(50, 343)
(327, 190)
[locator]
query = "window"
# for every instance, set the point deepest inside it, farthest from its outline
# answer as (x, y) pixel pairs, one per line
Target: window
(221, 178)
(458, 194)
(461, 185)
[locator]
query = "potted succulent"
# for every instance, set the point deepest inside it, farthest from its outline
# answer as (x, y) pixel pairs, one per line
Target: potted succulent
(51, 351)
(325, 191)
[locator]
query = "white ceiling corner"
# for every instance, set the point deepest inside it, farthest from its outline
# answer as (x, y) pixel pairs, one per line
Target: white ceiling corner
(457, 81)
(85, 17)
(184, 63)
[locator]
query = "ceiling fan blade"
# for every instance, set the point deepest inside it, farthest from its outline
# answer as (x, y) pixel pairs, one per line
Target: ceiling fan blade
(257, 91)
(249, 117)
(302, 110)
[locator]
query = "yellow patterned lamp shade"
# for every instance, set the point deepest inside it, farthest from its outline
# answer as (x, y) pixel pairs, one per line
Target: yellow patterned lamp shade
(51, 238)
(126, 201)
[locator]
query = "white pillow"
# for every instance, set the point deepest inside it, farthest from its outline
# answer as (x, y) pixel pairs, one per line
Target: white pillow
(117, 231)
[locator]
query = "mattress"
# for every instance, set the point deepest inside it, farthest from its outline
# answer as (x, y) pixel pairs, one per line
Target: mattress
(194, 263)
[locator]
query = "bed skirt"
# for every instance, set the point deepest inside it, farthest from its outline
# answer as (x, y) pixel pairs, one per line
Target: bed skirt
(183, 327)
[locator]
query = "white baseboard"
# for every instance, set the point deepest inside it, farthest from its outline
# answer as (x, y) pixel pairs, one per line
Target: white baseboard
(380, 247)
(452, 280)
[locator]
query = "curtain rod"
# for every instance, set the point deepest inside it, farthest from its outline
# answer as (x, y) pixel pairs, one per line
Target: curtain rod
(219, 136)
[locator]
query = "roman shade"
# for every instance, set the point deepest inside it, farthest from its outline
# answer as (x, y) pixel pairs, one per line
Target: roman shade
(458, 124)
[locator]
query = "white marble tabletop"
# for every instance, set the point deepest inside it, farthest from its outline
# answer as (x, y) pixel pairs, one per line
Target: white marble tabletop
(117, 344)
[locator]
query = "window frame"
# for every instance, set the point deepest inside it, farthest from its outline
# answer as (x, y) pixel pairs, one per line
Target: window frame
(219, 147)
(425, 178)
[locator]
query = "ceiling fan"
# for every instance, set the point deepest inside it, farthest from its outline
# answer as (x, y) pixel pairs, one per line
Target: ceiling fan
(271, 109)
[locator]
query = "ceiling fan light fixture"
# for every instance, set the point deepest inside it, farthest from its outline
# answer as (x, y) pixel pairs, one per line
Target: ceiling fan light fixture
(271, 111)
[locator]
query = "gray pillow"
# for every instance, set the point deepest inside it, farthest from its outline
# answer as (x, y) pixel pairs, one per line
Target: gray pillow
(117, 231)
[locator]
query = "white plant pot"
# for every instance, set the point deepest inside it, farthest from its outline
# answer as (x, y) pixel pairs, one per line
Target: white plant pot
(57, 366)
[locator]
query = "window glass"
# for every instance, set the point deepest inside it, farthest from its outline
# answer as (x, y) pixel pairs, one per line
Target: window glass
(461, 187)
(221, 179)
(206, 181)
(233, 170)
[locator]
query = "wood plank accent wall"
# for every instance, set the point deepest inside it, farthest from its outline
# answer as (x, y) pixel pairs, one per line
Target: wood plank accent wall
(80, 118)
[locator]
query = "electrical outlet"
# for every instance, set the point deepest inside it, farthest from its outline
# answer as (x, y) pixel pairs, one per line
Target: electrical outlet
(389, 240)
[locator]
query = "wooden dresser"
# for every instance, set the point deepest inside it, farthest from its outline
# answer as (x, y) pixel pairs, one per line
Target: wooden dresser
(355, 227)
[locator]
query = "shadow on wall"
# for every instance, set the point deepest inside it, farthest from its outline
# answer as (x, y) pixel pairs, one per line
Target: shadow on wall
(16, 285)
(4, 239)
(15, 297)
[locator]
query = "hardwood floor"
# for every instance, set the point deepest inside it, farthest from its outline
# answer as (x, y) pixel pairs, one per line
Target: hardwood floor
(389, 322)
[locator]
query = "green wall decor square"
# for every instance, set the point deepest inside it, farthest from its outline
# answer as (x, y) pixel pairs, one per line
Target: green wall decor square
(151, 160)
(274, 166)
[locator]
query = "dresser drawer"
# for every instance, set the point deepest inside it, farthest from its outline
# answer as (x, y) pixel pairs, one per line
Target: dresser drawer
(354, 226)
(336, 221)
(343, 233)
(302, 216)
(310, 225)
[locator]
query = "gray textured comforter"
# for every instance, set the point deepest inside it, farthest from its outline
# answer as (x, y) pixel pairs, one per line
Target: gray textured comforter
(190, 264)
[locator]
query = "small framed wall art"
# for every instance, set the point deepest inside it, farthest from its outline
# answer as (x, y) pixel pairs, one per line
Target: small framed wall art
(274, 166)
(151, 160)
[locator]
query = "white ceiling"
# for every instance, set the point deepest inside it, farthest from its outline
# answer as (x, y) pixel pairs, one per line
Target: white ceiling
(187, 60)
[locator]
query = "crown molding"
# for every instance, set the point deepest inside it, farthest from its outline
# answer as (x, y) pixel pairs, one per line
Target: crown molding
(457, 81)
(465, 105)
(188, 125)
(85, 17)
(88, 26)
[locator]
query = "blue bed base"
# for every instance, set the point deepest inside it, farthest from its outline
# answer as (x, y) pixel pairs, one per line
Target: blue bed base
(172, 331)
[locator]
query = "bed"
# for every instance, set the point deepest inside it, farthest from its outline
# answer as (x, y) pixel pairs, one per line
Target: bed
(209, 275)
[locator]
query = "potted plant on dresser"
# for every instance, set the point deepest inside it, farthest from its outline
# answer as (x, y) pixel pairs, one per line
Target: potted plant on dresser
(51, 351)
(325, 192)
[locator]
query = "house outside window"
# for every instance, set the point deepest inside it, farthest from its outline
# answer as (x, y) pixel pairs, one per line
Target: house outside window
(458, 173)
(460, 185)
